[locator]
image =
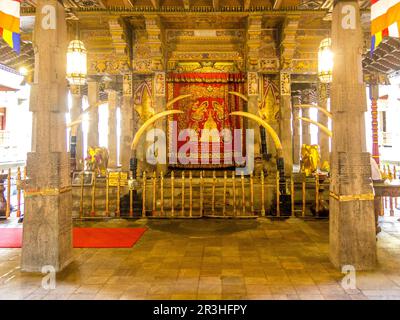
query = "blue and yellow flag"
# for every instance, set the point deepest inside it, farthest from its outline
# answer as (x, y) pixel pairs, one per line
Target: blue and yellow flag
(9, 23)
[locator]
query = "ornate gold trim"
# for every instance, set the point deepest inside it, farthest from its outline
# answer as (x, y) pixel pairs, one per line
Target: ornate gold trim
(352, 197)
(47, 192)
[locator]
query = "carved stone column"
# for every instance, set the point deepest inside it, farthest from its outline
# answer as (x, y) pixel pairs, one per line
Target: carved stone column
(47, 233)
(296, 129)
(305, 113)
(352, 238)
(127, 132)
(113, 101)
(285, 121)
(323, 138)
(254, 25)
(76, 145)
(159, 106)
(93, 97)
(252, 107)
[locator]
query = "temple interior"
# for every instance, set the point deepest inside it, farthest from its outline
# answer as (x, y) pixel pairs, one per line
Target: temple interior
(200, 149)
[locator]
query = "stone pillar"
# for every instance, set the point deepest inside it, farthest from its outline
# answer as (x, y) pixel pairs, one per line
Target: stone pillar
(112, 129)
(252, 107)
(285, 121)
(159, 106)
(47, 232)
(305, 113)
(127, 132)
(76, 148)
(93, 97)
(296, 130)
(323, 138)
(352, 237)
(253, 44)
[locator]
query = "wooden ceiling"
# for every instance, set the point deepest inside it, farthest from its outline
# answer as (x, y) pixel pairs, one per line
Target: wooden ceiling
(385, 59)
(314, 21)
(190, 4)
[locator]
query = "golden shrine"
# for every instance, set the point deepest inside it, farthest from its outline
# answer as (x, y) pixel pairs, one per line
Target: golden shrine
(213, 101)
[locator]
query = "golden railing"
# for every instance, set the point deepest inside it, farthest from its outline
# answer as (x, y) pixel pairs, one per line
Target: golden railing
(196, 194)
(11, 192)
(186, 194)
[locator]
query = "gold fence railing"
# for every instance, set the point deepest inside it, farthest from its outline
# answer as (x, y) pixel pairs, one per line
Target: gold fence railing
(184, 194)
(196, 194)
(11, 192)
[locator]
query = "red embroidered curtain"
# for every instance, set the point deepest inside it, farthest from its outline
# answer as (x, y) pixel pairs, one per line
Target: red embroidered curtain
(207, 108)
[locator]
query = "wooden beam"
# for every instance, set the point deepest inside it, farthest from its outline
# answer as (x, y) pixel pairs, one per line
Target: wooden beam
(246, 4)
(216, 4)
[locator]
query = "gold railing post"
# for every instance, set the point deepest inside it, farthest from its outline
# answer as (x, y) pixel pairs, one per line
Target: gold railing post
(391, 207)
(162, 193)
(93, 209)
(303, 193)
(201, 193)
(234, 193)
(154, 200)
(107, 194)
(144, 194)
(262, 194)
(8, 207)
(23, 191)
(395, 178)
(130, 202)
(18, 192)
(278, 208)
(243, 194)
(252, 193)
(292, 195)
(224, 195)
(190, 194)
(213, 194)
(183, 194)
(82, 190)
(172, 192)
(317, 195)
(118, 210)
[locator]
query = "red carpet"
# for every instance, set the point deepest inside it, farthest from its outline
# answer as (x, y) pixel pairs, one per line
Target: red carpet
(106, 237)
(10, 237)
(82, 237)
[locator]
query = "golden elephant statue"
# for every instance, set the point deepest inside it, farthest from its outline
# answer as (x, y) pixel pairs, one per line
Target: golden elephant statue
(310, 159)
(97, 160)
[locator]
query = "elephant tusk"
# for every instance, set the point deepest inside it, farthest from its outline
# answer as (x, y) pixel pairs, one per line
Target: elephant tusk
(149, 122)
(171, 102)
(240, 95)
(270, 130)
(321, 126)
(324, 111)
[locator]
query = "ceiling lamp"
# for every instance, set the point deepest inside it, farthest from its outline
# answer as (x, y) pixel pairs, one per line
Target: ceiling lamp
(325, 61)
(76, 63)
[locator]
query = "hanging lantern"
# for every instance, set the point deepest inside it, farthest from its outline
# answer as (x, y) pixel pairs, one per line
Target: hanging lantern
(325, 61)
(76, 63)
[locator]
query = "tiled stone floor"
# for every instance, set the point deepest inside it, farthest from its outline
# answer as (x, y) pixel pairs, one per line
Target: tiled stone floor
(212, 259)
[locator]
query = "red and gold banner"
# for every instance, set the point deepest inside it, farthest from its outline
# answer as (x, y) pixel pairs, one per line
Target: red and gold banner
(207, 108)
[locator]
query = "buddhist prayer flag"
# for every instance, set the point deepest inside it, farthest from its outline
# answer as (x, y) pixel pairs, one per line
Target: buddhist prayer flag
(9, 23)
